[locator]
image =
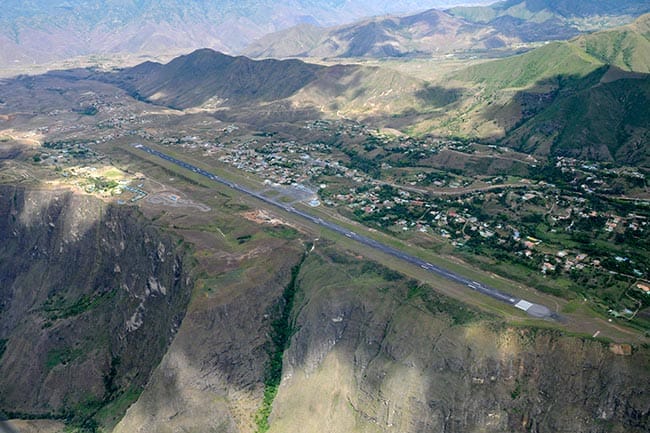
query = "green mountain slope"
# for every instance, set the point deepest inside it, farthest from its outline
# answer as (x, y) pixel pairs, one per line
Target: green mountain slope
(552, 60)
(586, 98)
(627, 48)
(42, 31)
(592, 119)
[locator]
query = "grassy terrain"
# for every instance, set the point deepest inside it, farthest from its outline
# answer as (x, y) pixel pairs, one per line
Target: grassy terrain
(111, 413)
(525, 70)
(538, 102)
(624, 49)
(62, 356)
(330, 268)
(100, 415)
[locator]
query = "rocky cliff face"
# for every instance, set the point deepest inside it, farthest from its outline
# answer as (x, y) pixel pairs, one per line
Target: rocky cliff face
(90, 298)
(92, 295)
(374, 352)
(403, 359)
(212, 378)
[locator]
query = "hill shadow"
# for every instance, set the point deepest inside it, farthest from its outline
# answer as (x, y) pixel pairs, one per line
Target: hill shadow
(600, 116)
(438, 96)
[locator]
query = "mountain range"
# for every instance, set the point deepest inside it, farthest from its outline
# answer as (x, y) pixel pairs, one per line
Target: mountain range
(432, 31)
(206, 75)
(425, 33)
(586, 97)
(501, 25)
(265, 91)
(139, 295)
(544, 10)
(39, 31)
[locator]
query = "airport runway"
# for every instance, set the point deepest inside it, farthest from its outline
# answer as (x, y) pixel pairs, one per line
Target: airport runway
(532, 309)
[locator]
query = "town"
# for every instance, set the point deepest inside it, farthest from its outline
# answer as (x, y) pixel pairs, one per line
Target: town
(566, 227)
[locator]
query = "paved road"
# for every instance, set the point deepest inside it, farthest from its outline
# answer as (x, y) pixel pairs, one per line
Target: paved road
(534, 310)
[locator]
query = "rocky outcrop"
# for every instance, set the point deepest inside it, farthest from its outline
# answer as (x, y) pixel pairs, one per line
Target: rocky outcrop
(212, 378)
(91, 296)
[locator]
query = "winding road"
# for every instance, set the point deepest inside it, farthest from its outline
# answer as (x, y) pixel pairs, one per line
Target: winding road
(532, 309)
